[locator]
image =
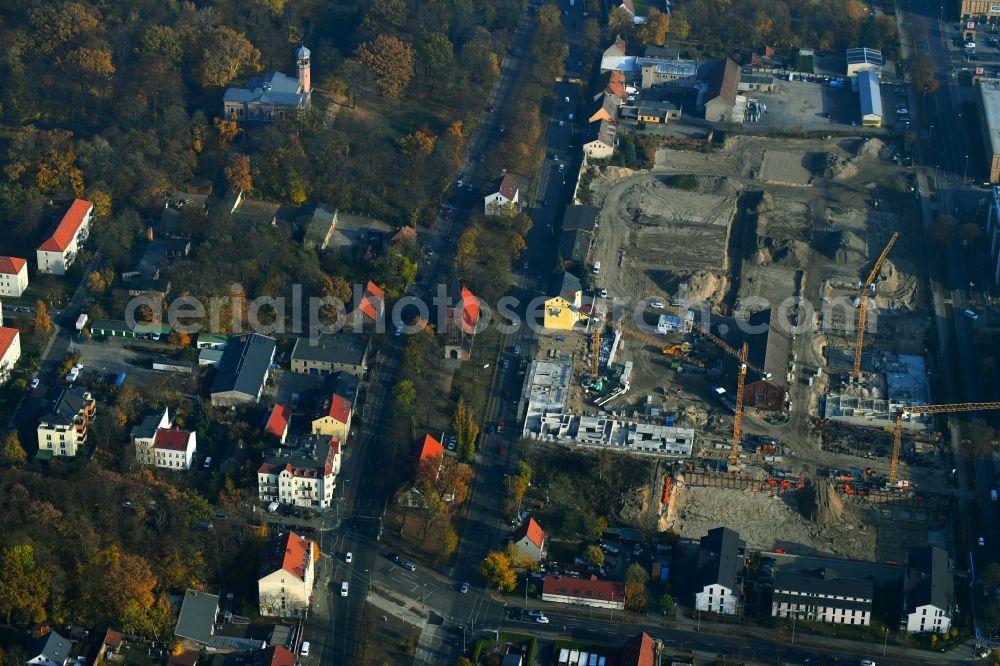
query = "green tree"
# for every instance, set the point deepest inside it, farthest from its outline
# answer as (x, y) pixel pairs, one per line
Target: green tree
(466, 430)
(404, 398)
(391, 60)
(593, 555)
(226, 53)
(923, 72)
(636, 578)
(13, 452)
(498, 570)
(24, 587)
(668, 606)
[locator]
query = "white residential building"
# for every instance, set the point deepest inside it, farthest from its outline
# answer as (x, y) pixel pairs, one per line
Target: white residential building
(822, 596)
(305, 477)
(144, 434)
(63, 431)
(13, 276)
(284, 588)
(928, 591)
(719, 583)
(10, 351)
(56, 254)
(508, 192)
(174, 448)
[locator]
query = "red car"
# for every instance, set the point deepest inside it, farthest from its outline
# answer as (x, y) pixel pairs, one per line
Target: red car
(501, 450)
(446, 215)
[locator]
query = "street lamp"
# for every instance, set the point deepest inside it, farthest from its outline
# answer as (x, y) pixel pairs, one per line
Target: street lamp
(885, 642)
(965, 174)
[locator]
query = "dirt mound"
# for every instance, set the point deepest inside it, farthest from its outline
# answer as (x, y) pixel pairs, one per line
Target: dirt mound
(789, 253)
(871, 149)
(825, 507)
(835, 168)
(843, 246)
(765, 204)
(702, 286)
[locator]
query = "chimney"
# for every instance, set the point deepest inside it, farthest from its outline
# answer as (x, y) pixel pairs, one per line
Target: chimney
(149, 233)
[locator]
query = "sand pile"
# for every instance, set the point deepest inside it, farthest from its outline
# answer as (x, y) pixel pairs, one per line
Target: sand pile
(702, 286)
(843, 246)
(838, 169)
(871, 149)
(787, 253)
(824, 505)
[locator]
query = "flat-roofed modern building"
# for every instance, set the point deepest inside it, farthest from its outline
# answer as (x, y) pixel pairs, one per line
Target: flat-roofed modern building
(989, 120)
(863, 60)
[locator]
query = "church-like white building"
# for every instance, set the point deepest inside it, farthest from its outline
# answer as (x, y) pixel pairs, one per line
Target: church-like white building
(272, 97)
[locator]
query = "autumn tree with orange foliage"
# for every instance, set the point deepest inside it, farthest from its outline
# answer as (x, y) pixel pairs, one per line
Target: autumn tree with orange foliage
(238, 172)
(391, 60)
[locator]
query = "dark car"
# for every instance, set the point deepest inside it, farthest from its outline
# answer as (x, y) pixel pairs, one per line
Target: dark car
(309, 530)
(354, 523)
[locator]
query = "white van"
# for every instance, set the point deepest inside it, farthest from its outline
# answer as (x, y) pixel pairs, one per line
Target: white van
(596, 270)
(343, 589)
(272, 507)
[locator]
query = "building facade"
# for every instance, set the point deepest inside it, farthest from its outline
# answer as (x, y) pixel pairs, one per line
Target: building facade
(608, 594)
(57, 253)
(144, 434)
(822, 596)
(174, 448)
(529, 541)
(562, 307)
(272, 97)
(343, 352)
(63, 431)
(333, 417)
(284, 588)
(983, 11)
(13, 276)
(719, 585)
(928, 591)
(305, 477)
(10, 351)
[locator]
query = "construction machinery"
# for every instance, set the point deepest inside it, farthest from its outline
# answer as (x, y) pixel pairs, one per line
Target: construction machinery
(677, 351)
(859, 339)
(734, 454)
(897, 433)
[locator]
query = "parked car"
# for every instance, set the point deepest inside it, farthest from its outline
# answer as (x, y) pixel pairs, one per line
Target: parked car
(305, 649)
(464, 589)
(349, 557)
(970, 313)
(409, 566)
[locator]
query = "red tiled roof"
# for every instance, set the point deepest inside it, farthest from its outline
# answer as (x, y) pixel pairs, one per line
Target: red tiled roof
(296, 555)
(405, 232)
(11, 265)
(430, 448)
(371, 302)
(277, 422)
(640, 650)
(7, 337)
(508, 187)
(172, 440)
(113, 638)
(533, 531)
(339, 409)
(470, 310)
(609, 590)
(627, 4)
(67, 227)
(277, 655)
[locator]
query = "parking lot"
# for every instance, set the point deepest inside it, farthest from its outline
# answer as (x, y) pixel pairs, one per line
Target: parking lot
(805, 106)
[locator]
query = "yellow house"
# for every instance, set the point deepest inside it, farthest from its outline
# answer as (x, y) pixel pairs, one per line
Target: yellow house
(333, 418)
(562, 308)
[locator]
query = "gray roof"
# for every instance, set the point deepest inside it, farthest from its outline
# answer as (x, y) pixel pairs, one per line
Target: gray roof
(759, 79)
(723, 81)
(655, 51)
(566, 285)
(770, 349)
(871, 94)
(791, 586)
(656, 108)
(574, 244)
(719, 559)
(197, 618)
(342, 348)
(51, 646)
(343, 384)
(149, 425)
(676, 67)
(244, 365)
(580, 217)
(605, 133)
(67, 406)
(929, 580)
(275, 89)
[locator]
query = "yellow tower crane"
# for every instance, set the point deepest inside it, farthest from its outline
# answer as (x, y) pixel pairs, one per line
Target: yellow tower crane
(897, 433)
(859, 339)
(734, 454)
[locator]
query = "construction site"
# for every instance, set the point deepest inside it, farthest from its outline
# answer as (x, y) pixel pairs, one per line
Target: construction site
(738, 281)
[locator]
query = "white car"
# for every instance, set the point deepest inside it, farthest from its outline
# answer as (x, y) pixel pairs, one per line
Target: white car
(656, 304)
(867, 662)
(970, 313)
(34, 383)
(464, 589)
(343, 589)
(982, 541)
(541, 619)
(305, 649)
(349, 557)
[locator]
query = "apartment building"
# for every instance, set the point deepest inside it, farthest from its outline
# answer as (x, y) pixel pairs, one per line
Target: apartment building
(63, 431)
(305, 476)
